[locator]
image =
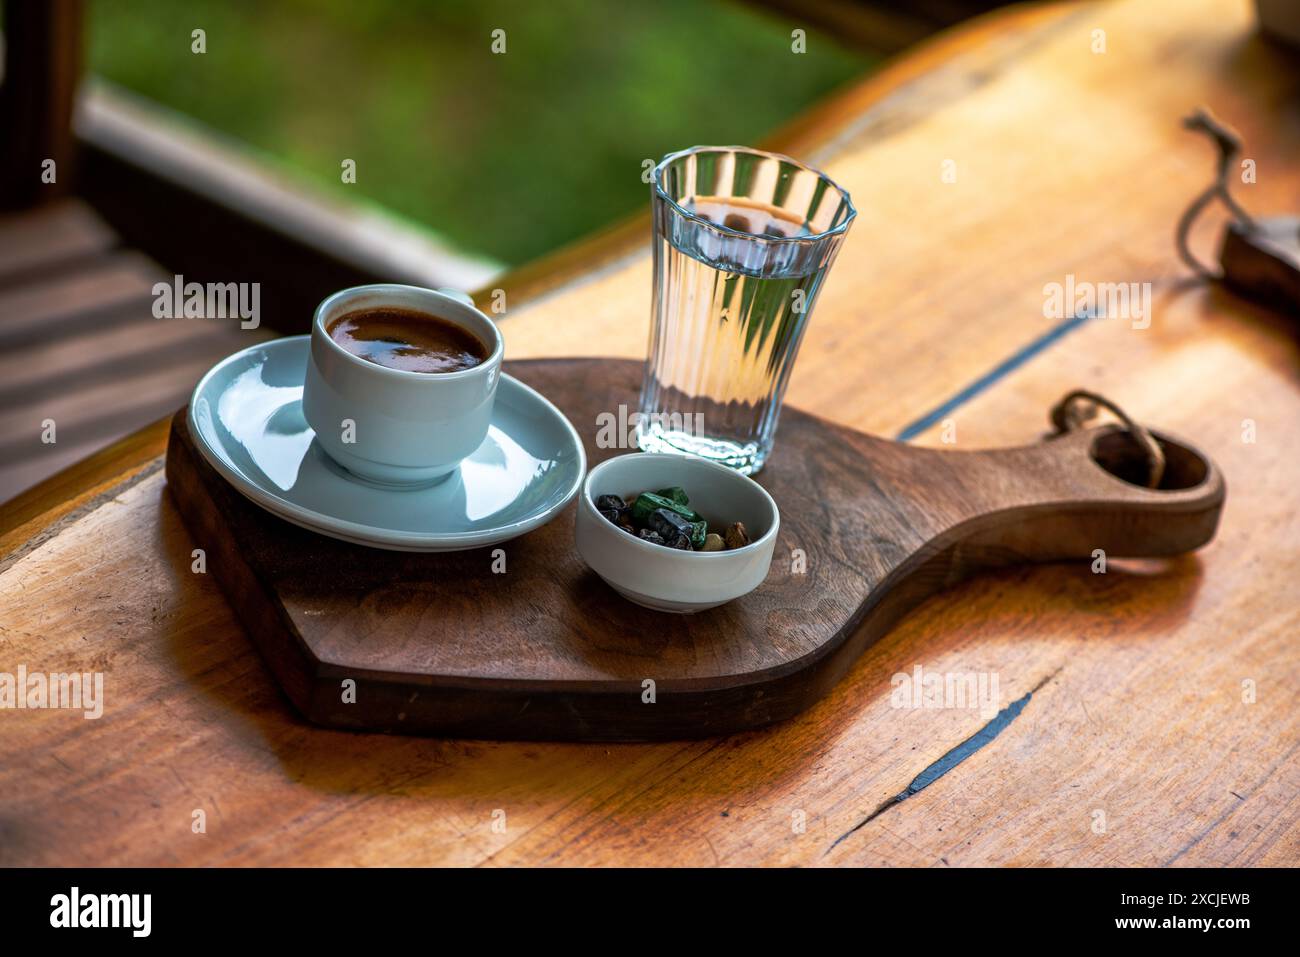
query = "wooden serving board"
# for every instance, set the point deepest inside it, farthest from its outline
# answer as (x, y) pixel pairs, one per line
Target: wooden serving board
(440, 644)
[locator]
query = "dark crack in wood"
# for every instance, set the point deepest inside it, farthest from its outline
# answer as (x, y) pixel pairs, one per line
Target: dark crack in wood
(950, 760)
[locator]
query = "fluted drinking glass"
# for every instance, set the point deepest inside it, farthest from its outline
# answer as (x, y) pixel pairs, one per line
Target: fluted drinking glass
(743, 240)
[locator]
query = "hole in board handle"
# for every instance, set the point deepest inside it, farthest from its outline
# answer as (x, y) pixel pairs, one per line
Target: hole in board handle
(1118, 453)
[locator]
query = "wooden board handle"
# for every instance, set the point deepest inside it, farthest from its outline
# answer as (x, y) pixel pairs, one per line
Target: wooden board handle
(1079, 492)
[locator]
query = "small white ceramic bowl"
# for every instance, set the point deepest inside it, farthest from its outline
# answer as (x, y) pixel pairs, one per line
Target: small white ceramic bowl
(667, 579)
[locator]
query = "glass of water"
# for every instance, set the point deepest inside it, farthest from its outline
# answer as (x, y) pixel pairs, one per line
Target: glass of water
(743, 240)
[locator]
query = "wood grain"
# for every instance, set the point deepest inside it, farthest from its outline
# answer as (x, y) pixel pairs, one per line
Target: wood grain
(1067, 162)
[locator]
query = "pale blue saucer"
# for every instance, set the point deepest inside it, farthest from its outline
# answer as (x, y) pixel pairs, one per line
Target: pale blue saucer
(246, 419)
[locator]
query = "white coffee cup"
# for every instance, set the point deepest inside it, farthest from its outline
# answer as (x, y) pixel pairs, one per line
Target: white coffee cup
(390, 426)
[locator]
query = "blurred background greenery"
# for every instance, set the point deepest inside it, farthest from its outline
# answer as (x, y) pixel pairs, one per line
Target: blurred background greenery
(503, 155)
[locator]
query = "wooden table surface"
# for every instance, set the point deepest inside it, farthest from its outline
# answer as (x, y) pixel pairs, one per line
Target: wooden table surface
(1163, 722)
